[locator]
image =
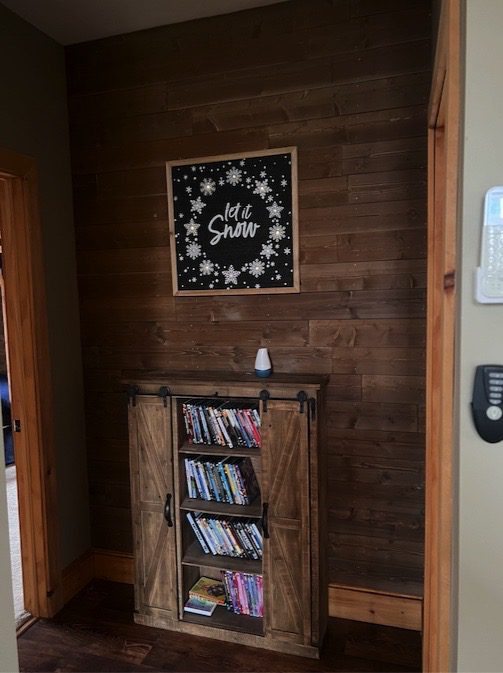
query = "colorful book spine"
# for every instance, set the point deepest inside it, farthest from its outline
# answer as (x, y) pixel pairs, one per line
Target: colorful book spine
(244, 593)
(225, 537)
(230, 480)
(196, 530)
(206, 534)
(191, 489)
(214, 423)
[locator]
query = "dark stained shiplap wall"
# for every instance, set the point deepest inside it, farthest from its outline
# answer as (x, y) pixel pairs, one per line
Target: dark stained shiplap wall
(347, 82)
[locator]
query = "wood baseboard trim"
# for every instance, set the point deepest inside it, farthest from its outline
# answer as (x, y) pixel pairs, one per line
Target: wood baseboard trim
(114, 566)
(79, 573)
(362, 605)
(375, 607)
(27, 624)
(99, 564)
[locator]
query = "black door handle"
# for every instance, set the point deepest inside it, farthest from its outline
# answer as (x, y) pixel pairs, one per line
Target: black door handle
(167, 510)
(265, 519)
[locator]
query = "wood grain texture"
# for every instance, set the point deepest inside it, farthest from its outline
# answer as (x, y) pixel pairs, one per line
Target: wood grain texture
(287, 470)
(444, 152)
(30, 381)
(393, 605)
(346, 82)
(287, 553)
(151, 487)
(95, 632)
(404, 612)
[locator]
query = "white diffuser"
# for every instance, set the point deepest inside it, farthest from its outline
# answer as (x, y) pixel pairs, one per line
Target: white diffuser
(263, 365)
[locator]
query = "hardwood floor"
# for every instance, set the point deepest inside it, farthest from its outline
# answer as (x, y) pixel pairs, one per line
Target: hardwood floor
(96, 632)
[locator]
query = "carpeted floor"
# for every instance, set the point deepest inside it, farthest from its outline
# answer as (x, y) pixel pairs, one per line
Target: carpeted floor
(15, 544)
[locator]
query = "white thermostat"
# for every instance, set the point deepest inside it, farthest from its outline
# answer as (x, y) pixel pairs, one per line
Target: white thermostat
(489, 276)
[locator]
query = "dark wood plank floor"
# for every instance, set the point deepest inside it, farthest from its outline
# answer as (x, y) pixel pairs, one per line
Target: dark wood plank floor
(96, 632)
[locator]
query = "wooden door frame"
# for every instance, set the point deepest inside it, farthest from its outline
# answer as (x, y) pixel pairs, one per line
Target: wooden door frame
(443, 177)
(31, 390)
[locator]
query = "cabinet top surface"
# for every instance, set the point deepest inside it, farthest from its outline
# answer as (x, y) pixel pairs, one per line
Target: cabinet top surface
(176, 379)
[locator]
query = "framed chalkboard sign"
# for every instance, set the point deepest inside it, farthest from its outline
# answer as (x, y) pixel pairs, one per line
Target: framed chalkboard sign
(234, 223)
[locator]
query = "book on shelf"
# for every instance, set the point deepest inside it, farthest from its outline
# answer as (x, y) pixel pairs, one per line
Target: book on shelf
(199, 606)
(209, 590)
(228, 480)
(224, 424)
(223, 536)
(244, 593)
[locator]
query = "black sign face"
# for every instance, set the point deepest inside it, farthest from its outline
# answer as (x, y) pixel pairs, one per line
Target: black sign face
(233, 223)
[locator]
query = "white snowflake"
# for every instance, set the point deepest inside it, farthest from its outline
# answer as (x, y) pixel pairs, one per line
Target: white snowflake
(277, 232)
(234, 176)
(185, 177)
(193, 250)
(257, 285)
(221, 182)
(206, 267)
(231, 275)
(269, 199)
(191, 227)
(267, 250)
(275, 210)
(263, 174)
(261, 188)
(287, 251)
(193, 168)
(284, 183)
(188, 190)
(242, 162)
(208, 186)
(278, 276)
(257, 267)
(248, 180)
(196, 205)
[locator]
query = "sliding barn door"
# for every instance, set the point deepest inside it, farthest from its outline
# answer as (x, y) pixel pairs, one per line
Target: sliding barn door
(152, 505)
(285, 494)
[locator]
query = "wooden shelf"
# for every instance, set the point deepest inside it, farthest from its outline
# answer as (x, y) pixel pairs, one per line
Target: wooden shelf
(212, 507)
(217, 450)
(225, 619)
(285, 466)
(194, 556)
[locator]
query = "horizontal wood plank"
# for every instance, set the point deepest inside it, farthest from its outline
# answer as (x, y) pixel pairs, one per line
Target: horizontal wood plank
(393, 389)
(347, 83)
(389, 604)
(368, 333)
(375, 608)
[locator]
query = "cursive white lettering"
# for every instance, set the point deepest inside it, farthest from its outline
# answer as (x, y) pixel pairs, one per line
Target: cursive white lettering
(242, 228)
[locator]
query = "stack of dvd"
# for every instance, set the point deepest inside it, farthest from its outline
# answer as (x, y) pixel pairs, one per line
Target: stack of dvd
(215, 423)
(244, 593)
(229, 480)
(239, 538)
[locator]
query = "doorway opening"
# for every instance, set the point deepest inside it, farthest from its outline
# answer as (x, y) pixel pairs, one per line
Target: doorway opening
(21, 615)
(29, 389)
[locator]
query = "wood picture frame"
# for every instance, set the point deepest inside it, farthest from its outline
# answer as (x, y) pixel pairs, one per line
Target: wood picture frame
(205, 259)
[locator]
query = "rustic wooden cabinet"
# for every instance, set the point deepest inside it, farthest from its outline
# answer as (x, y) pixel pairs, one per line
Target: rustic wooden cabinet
(289, 508)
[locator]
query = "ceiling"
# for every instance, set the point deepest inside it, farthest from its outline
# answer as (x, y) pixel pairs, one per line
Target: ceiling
(72, 21)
